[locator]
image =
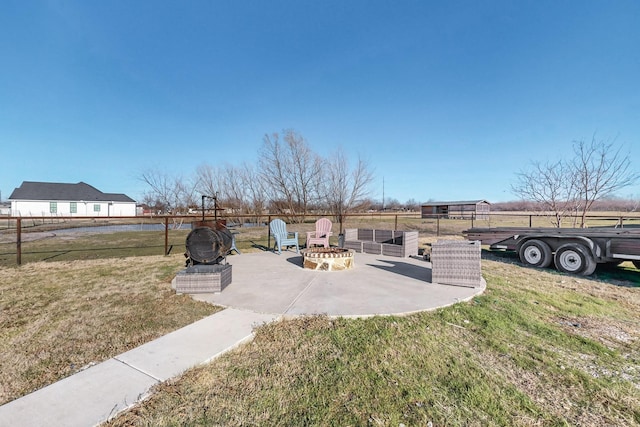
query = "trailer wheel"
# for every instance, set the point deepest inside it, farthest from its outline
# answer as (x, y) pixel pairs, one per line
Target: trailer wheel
(535, 253)
(574, 258)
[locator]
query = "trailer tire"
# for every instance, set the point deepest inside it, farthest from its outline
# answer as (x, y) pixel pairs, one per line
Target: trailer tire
(574, 258)
(535, 253)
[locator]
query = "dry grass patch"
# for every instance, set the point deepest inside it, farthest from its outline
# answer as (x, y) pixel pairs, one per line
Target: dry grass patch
(58, 317)
(537, 349)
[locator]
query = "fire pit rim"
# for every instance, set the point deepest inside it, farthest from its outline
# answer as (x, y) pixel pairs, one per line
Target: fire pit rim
(331, 252)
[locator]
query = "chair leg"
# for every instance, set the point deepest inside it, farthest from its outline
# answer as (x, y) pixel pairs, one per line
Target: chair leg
(233, 245)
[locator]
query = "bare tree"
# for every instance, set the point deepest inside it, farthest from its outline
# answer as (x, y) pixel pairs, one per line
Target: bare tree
(392, 204)
(369, 204)
(255, 191)
(225, 184)
(233, 194)
(172, 193)
(209, 180)
(291, 172)
(601, 169)
(344, 188)
(597, 170)
(412, 205)
(552, 186)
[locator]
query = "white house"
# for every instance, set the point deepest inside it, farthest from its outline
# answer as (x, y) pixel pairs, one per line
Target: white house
(56, 199)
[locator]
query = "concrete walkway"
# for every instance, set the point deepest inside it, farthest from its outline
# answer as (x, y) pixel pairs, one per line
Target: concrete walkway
(264, 287)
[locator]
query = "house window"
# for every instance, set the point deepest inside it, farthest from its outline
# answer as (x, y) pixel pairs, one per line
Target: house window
(53, 207)
(73, 207)
(96, 208)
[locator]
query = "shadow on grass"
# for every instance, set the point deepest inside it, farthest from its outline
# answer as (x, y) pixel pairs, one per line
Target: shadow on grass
(259, 246)
(620, 275)
(504, 256)
(81, 254)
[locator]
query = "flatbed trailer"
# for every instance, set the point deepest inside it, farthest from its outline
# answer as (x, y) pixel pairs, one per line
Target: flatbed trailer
(571, 250)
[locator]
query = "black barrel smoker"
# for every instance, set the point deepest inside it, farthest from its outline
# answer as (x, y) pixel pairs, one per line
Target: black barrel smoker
(206, 245)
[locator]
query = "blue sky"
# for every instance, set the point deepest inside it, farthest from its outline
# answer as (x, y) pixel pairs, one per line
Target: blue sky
(446, 100)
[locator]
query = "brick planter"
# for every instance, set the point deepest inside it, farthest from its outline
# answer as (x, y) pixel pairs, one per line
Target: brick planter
(202, 278)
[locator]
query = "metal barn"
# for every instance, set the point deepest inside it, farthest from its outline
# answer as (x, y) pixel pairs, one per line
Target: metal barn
(478, 209)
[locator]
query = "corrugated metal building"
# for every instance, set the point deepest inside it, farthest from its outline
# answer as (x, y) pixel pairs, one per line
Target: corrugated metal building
(478, 209)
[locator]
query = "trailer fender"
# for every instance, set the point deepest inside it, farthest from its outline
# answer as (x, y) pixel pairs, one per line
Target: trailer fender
(594, 249)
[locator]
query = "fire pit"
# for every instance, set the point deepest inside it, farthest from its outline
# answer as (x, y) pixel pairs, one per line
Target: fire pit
(327, 259)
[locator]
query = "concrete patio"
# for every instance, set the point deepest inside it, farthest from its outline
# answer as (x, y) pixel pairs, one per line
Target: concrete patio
(377, 285)
(265, 287)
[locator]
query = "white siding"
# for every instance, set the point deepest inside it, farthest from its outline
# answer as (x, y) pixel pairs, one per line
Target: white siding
(122, 209)
(63, 208)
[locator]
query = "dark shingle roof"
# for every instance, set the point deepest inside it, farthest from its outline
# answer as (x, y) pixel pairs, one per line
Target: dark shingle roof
(30, 190)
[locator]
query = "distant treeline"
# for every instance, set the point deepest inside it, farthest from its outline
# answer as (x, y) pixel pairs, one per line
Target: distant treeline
(605, 205)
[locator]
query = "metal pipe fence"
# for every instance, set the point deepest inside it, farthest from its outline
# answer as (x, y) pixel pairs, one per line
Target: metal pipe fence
(31, 239)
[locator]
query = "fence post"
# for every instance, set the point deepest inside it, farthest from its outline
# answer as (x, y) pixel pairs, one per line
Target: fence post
(19, 241)
(269, 232)
(437, 225)
(396, 224)
(530, 216)
(166, 235)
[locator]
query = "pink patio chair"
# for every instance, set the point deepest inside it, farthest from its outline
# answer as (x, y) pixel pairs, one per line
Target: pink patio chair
(321, 235)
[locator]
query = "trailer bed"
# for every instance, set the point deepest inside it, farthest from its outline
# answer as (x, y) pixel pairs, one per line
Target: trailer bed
(539, 246)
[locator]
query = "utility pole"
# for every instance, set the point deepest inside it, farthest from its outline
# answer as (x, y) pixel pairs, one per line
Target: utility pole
(383, 194)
